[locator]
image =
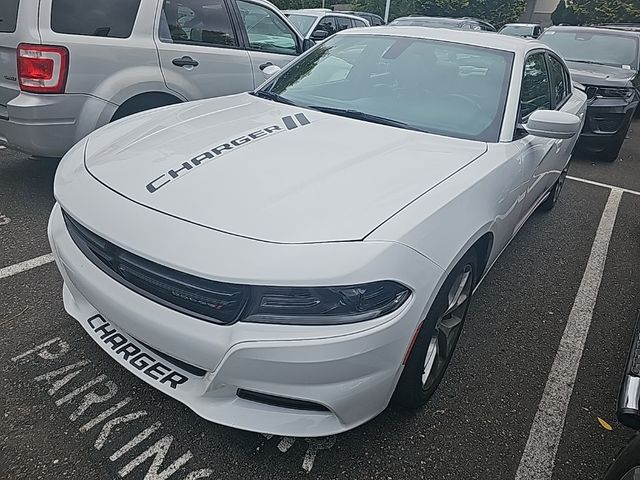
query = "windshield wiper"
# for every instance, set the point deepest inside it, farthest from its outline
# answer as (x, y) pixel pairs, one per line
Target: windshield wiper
(367, 117)
(271, 96)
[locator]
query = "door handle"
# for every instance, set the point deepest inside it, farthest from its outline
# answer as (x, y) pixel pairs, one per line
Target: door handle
(185, 62)
(265, 65)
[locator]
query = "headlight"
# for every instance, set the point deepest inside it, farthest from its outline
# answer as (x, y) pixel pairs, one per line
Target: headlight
(324, 305)
(612, 92)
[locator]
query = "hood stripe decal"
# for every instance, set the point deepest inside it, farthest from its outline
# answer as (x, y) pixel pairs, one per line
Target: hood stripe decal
(302, 119)
(289, 123)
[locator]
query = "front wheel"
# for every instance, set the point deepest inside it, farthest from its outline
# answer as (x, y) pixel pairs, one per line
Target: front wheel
(554, 193)
(438, 336)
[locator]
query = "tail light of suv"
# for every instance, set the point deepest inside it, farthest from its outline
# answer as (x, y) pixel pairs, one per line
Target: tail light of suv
(42, 68)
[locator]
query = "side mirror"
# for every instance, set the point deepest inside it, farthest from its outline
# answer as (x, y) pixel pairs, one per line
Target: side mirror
(307, 43)
(319, 35)
(553, 124)
(270, 70)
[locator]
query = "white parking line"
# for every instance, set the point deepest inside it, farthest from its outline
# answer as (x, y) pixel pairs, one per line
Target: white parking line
(24, 266)
(605, 185)
(540, 451)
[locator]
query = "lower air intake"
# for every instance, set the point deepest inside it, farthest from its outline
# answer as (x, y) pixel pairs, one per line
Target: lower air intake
(283, 402)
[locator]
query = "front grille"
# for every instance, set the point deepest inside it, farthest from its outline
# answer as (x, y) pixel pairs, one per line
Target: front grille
(207, 300)
(283, 402)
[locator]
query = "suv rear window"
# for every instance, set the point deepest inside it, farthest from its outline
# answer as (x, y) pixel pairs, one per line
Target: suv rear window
(8, 15)
(94, 18)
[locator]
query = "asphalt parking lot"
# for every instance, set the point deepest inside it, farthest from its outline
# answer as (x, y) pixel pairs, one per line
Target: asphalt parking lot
(70, 412)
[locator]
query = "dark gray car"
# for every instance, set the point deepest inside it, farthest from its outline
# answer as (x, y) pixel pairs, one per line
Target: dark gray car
(606, 62)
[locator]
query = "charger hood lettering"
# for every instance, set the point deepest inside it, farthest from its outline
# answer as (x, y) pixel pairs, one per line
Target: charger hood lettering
(288, 123)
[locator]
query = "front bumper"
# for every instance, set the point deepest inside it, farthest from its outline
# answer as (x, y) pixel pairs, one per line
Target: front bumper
(607, 118)
(49, 125)
(348, 370)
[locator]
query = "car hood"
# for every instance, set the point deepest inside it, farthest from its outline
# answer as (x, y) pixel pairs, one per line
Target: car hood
(600, 75)
(270, 171)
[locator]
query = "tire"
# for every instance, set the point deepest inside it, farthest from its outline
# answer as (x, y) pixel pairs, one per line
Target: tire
(627, 459)
(438, 336)
(554, 193)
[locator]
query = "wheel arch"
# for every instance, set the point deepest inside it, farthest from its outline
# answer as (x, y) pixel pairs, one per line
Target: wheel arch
(144, 101)
(483, 247)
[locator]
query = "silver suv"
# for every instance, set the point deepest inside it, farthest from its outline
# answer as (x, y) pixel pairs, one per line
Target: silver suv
(84, 63)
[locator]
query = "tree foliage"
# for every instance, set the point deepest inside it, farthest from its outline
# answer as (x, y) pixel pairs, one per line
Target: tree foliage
(579, 12)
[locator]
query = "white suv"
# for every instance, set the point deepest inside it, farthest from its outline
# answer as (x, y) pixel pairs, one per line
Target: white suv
(82, 64)
(319, 23)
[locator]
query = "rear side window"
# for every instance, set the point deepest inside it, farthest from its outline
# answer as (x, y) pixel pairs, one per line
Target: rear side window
(94, 18)
(359, 23)
(8, 15)
(197, 22)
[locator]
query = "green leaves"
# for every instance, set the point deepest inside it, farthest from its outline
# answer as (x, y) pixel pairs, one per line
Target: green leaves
(577, 12)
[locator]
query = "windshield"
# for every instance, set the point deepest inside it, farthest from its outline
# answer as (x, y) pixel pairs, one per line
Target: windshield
(590, 47)
(302, 23)
(426, 85)
(517, 30)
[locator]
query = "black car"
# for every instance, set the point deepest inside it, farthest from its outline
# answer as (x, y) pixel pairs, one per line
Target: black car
(606, 62)
(465, 23)
(373, 19)
(627, 464)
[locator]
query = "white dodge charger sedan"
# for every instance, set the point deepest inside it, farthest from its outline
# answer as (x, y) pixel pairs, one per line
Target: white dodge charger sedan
(292, 259)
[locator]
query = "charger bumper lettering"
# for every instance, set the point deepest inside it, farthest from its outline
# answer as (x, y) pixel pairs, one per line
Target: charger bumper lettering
(133, 354)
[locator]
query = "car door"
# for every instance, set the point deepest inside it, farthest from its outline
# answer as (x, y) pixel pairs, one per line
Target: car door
(269, 39)
(545, 85)
(537, 152)
(201, 54)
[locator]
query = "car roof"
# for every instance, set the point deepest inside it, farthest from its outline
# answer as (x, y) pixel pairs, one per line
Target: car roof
(451, 20)
(319, 12)
(437, 19)
(600, 30)
(521, 25)
(356, 13)
(479, 39)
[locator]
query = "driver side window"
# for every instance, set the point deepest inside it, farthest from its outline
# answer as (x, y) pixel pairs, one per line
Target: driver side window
(329, 25)
(266, 31)
(535, 94)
